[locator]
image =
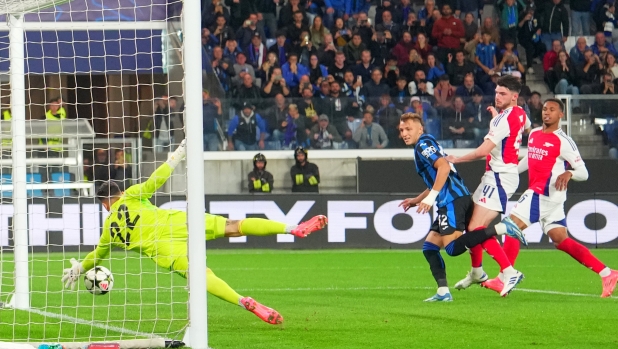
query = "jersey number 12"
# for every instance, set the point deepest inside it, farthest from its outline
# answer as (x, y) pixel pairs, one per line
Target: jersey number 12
(123, 211)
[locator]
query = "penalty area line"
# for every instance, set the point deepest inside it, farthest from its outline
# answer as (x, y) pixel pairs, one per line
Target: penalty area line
(96, 324)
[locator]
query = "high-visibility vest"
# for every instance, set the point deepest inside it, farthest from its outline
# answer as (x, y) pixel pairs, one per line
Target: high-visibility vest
(6, 116)
(148, 131)
(61, 114)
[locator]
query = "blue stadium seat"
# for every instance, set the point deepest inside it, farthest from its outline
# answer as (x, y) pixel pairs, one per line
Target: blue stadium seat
(434, 128)
(61, 177)
(32, 178)
(6, 179)
(446, 143)
(465, 143)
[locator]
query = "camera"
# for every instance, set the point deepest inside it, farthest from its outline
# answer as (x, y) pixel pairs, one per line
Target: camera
(248, 22)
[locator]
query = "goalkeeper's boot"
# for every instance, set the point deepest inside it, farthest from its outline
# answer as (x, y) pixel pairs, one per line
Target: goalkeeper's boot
(314, 224)
(469, 280)
(609, 283)
(263, 312)
(494, 284)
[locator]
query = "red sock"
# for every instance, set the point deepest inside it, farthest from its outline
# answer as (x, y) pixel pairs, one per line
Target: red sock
(476, 254)
(511, 248)
(497, 253)
(581, 254)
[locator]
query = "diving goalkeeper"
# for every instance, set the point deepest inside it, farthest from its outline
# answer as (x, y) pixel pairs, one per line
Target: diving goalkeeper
(134, 223)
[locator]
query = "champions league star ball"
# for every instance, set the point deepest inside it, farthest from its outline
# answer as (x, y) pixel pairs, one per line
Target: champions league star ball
(99, 280)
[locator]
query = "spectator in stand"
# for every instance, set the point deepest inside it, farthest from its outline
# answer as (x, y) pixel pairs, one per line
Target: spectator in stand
(590, 73)
(363, 27)
(509, 18)
(477, 109)
(339, 67)
(354, 49)
(365, 67)
(529, 35)
(577, 52)
(286, 14)
(468, 89)
(549, 61)
(469, 49)
(422, 46)
(249, 92)
(273, 117)
(292, 71)
(536, 109)
(327, 51)
(486, 58)
(608, 87)
(249, 29)
(601, 45)
(444, 93)
(448, 32)
(391, 30)
(457, 123)
(566, 77)
(427, 99)
(510, 64)
(295, 31)
(306, 49)
(317, 72)
(211, 112)
(370, 135)
(308, 108)
(282, 48)
(243, 130)
(418, 107)
(419, 77)
(240, 10)
(223, 70)
(387, 116)
(294, 131)
(305, 175)
(458, 69)
(231, 50)
(413, 26)
(384, 6)
(611, 66)
(400, 94)
(375, 88)
(318, 32)
(436, 69)
(554, 23)
(492, 29)
(323, 134)
(266, 70)
(338, 107)
(337, 9)
(260, 180)
(221, 32)
(275, 85)
(415, 63)
(391, 71)
(352, 87)
(380, 47)
(241, 68)
(471, 27)
(256, 51)
(580, 17)
(401, 15)
(609, 21)
(323, 94)
(403, 48)
(214, 10)
(341, 34)
(425, 15)
(207, 43)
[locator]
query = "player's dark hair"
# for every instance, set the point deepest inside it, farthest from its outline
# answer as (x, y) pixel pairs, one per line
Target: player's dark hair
(108, 190)
(557, 101)
(510, 82)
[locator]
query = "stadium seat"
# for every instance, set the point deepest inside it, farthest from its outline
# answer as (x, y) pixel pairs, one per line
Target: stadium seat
(32, 178)
(465, 143)
(434, 128)
(61, 177)
(6, 178)
(446, 143)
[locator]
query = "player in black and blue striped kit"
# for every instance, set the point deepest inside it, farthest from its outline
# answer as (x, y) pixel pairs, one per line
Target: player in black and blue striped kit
(448, 191)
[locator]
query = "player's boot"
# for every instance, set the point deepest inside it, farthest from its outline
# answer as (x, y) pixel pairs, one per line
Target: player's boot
(437, 298)
(469, 280)
(314, 224)
(510, 281)
(263, 312)
(513, 230)
(609, 283)
(494, 284)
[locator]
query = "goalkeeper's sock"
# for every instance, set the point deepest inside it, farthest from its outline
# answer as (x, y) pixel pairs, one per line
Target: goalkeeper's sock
(220, 288)
(263, 227)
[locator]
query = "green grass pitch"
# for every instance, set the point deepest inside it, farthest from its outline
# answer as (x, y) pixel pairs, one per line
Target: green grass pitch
(338, 299)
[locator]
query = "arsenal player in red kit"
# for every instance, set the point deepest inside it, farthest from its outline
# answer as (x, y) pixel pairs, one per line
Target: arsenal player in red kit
(549, 150)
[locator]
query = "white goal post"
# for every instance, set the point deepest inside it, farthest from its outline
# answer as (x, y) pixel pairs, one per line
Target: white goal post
(123, 96)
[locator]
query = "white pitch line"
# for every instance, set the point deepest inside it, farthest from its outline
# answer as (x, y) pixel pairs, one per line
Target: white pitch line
(89, 323)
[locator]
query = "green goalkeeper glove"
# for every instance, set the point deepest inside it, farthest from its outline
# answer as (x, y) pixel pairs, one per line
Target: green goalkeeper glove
(71, 275)
(178, 155)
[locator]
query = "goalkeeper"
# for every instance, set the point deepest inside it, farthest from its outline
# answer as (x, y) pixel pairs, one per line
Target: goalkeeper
(161, 234)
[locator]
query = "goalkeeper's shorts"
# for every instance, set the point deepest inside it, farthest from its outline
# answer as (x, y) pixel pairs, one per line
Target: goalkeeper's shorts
(215, 226)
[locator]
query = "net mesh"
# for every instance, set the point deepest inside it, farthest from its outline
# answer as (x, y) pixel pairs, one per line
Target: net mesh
(103, 91)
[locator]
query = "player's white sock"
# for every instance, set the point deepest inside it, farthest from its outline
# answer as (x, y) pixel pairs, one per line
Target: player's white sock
(289, 228)
(605, 272)
(501, 276)
(500, 228)
(477, 272)
(442, 291)
(509, 270)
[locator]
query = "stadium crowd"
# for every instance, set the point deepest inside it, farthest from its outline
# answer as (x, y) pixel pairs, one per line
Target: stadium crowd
(322, 74)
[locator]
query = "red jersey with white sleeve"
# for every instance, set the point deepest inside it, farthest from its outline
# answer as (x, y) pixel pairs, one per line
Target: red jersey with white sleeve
(505, 131)
(548, 157)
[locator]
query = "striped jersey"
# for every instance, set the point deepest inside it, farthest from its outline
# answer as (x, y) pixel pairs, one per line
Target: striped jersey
(505, 131)
(426, 152)
(548, 157)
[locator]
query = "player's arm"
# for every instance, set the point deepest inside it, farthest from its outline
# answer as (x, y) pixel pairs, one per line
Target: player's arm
(413, 202)
(579, 172)
(482, 151)
(443, 169)
(523, 165)
(159, 176)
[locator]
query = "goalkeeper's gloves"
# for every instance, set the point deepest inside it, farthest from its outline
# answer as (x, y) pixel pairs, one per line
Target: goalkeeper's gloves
(71, 275)
(178, 155)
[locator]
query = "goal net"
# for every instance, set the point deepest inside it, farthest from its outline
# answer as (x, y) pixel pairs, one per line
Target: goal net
(103, 95)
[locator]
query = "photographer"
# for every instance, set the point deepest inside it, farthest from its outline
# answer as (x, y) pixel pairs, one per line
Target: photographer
(248, 30)
(276, 85)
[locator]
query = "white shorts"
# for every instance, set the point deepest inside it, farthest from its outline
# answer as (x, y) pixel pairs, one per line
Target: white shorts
(532, 208)
(495, 190)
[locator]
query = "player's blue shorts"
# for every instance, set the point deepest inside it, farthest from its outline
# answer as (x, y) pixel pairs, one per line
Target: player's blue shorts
(454, 216)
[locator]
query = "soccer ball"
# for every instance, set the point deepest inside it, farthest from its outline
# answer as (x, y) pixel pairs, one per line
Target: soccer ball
(99, 280)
